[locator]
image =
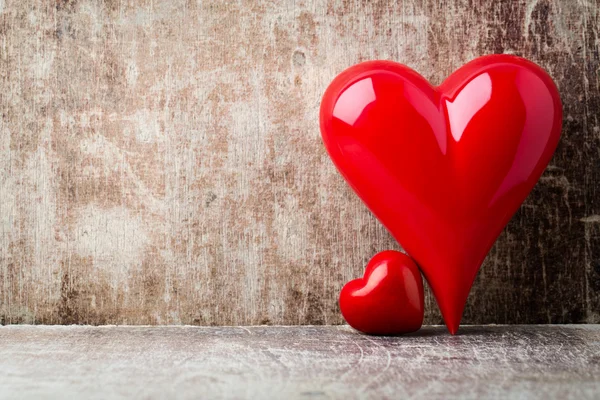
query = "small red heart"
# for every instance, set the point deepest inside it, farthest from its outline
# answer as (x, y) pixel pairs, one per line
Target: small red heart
(388, 300)
(443, 168)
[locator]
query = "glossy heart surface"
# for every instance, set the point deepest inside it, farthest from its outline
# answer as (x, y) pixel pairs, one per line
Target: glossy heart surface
(388, 300)
(443, 168)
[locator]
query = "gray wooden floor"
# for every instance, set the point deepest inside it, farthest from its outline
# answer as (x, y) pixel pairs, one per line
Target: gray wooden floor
(543, 362)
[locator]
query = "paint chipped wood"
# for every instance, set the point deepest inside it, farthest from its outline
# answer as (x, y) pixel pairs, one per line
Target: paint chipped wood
(161, 163)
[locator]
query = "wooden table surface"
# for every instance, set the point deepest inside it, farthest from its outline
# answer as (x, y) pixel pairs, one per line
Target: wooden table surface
(527, 361)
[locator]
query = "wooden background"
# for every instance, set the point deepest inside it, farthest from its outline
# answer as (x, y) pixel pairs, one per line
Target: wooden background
(161, 162)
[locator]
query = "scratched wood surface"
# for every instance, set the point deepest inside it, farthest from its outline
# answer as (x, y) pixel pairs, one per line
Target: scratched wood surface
(501, 362)
(161, 163)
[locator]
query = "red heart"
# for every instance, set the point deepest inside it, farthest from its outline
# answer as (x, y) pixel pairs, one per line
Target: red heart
(388, 300)
(443, 168)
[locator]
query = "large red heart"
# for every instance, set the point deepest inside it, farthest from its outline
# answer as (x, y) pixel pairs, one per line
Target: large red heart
(443, 168)
(388, 300)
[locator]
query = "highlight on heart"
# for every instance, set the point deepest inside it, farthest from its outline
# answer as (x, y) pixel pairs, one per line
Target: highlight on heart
(443, 168)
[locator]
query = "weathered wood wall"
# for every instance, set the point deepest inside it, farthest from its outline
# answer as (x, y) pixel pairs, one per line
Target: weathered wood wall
(161, 162)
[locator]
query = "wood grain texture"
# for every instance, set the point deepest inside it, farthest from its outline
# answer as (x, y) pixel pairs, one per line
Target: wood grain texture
(492, 362)
(161, 162)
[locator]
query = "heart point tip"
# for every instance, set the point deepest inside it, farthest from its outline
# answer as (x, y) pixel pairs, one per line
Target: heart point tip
(453, 329)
